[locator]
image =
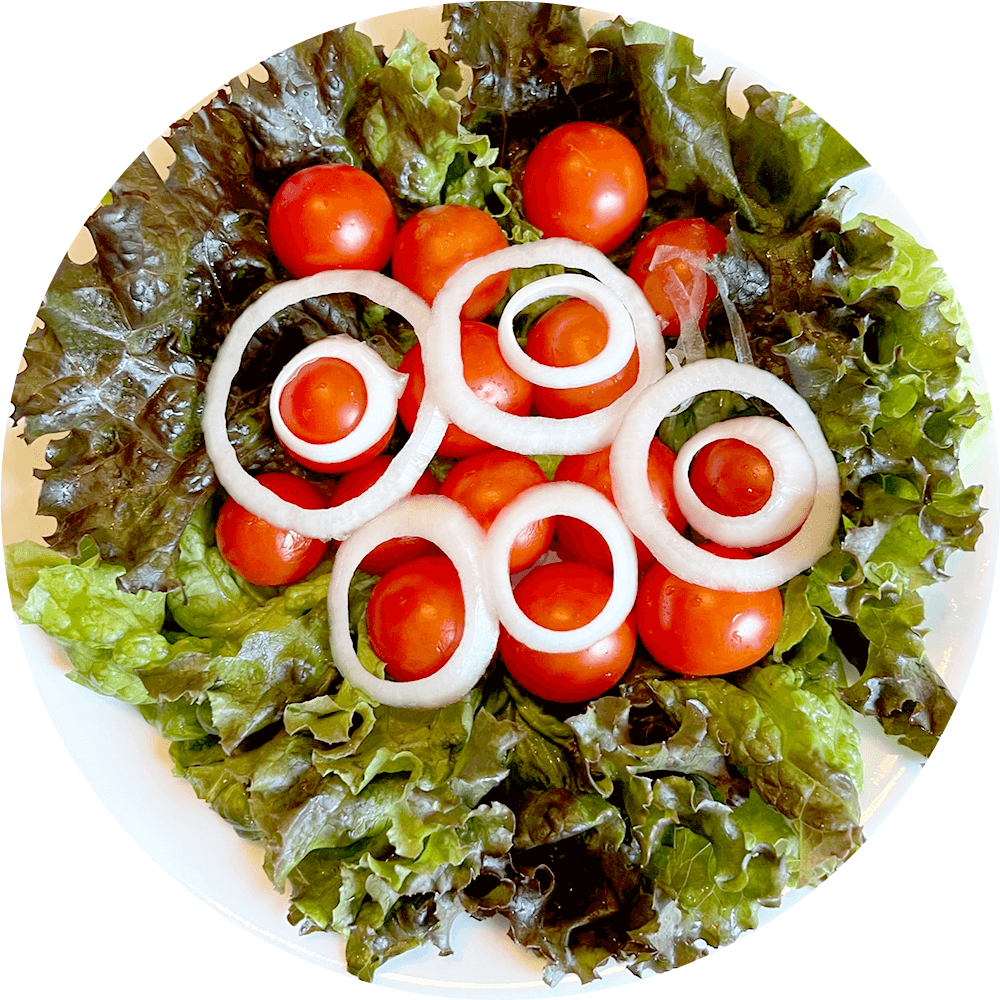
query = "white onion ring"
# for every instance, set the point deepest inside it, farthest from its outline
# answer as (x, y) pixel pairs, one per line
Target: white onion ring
(534, 435)
(791, 495)
(574, 500)
(406, 467)
(629, 457)
(607, 363)
(450, 526)
(383, 386)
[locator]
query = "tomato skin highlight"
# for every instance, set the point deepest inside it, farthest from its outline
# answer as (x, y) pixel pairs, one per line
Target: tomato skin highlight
(394, 551)
(331, 215)
(433, 244)
(586, 181)
(581, 541)
(569, 334)
(485, 483)
(416, 616)
(486, 373)
(261, 553)
(324, 400)
(731, 477)
(695, 235)
(702, 632)
(563, 596)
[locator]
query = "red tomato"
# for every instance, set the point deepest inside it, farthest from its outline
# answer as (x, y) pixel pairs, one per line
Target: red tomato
(731, 477)
(323, 401)
(699, 631)
(395, 551)
(570, 334)
(563, 596)
(433, 244)
(487, 374)
(331, 215)
(416, 616)
(695, 235)
(580, 540)
(585, 181)
(259, 552)
(485, 483)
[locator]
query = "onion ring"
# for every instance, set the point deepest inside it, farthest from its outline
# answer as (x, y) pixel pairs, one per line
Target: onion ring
(450, 526)
(791, 495)
(575, 500)
(383, 386)
(608, 362)
(534, 435)
(406, 467)
(629, 456)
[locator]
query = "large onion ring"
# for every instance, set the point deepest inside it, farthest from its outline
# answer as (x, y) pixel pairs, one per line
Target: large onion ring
(406, 466)
(450, 526)
(608, 362)
(534, 435)
(629, 456)
(575, 500)
(383, 387)
(791, 495)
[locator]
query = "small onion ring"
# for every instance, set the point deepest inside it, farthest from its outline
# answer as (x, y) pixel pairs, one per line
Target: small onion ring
(608, 362)
(535, 435)
(383, 386)
(406, 466)
(791, 495)
(629, 457)
(449, 525)
(574, 500)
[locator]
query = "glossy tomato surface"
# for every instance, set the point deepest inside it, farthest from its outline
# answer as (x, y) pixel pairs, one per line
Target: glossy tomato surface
(581, 541)
(691, 235)
(395, 551)
(570, 334)
(487, 374)
(433, 244)
(261, 553)
(586, 181)
(699, 631)
(323, 401)
(731, 477)
(416, 616)
(563, 596)
(485, 483)
(331, 215)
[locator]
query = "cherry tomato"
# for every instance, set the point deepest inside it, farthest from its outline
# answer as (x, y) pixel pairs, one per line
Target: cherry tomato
(569, 334)
(323, 401)
(694, 235)
(261, 553)
(433, 244)
(331, 215)
(580, 540)
(416, 616)
(731, 477)
(699, 631)
(585, 181)
(395, 551)
(563, 596)
(485, 483)
(487, 374)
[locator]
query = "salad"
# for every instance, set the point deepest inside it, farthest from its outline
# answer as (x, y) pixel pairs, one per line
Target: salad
(180, 664)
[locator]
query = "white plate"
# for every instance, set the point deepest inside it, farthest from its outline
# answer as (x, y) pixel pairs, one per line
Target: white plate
(73, 866)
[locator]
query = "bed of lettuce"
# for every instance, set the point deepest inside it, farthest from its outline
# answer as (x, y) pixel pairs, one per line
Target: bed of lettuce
(648, 826)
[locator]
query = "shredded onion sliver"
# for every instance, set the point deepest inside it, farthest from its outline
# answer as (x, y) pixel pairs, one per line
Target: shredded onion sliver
(607, 363)
(447, 524)
(534, 435)
(383, 387)
(587, 504)
(630, 484)
(791, 495)
(406, 466)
